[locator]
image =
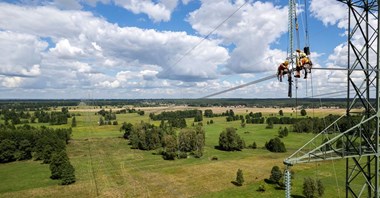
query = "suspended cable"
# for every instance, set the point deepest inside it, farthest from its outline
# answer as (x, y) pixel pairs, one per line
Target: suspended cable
(330, 93)
(324, 121)
(342, 69)
(307, 43)
(240, 86)
(298, 47)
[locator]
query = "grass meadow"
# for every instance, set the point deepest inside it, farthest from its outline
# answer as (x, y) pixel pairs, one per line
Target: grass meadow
(106, 166)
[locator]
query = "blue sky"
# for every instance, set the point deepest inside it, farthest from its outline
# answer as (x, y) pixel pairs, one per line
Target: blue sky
(63, 49)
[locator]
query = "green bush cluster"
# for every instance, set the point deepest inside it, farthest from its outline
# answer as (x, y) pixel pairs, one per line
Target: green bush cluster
(229, 140)
(146, 136)
(275, 145)
(167, 115)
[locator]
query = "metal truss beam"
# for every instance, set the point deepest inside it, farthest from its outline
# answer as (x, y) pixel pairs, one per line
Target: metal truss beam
(358, 144)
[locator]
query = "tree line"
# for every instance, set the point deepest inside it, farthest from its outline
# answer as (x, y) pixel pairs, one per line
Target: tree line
(13, 117)
(168, 115)
(130, 110)
(33, 105)
(45, 144)
(316, 125)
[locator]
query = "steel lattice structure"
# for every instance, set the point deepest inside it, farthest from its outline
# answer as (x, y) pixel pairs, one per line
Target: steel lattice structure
(358, 141)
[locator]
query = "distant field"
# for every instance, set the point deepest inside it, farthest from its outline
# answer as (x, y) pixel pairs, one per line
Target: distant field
(106, 166)
(239, 110)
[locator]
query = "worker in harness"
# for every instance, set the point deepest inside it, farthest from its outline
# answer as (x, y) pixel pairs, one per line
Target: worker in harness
(282, 70)
(303, 63)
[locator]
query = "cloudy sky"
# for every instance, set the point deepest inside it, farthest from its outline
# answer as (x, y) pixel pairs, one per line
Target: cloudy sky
(73, 49)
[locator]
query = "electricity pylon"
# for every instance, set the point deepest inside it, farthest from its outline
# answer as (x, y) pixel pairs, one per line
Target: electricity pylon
(357, 142)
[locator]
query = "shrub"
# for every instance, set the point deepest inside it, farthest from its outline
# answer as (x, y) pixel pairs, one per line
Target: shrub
(320, 188)
(308, 187)
(276, 174)
(169, 155)
(198, 153)
(283, 132)
(182, 155)
(73, 122)
(270, 125)
(253, 145)
(303, 112)
(275, 145)
(239, 177)
(262, 188)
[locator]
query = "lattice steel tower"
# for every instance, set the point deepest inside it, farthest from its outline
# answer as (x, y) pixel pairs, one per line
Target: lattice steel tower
(358, 142)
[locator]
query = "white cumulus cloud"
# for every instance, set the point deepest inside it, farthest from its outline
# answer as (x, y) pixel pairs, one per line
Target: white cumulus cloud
(21, 54)
(108, 84)
(11, 82)
(336, 12)
(64, 49)
(251, 30)
(156, 10)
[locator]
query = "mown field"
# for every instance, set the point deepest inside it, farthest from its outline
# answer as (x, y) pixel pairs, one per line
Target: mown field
(106, 166)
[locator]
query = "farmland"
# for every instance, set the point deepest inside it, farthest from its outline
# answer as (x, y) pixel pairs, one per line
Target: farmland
(106, 166)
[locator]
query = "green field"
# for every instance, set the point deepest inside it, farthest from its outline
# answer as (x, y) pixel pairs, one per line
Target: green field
(106, 166)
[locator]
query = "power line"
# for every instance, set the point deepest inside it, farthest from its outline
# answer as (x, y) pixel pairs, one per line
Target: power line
(327, 94)
(258, 81)
(240, 86)
(341, 69)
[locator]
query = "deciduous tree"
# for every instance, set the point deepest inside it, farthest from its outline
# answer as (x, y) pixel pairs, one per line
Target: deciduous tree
(127, 128)
(170, 147)
(7, 149)
(229, 140)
